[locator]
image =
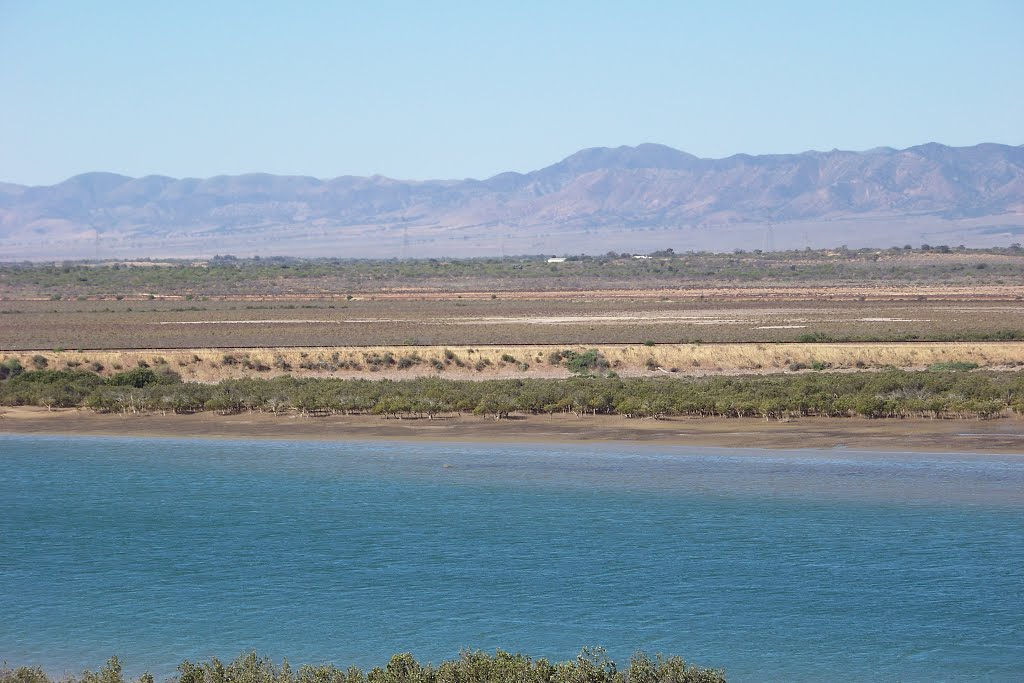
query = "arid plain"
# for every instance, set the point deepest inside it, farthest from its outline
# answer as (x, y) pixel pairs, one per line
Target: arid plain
(665, 315)
(686, 314)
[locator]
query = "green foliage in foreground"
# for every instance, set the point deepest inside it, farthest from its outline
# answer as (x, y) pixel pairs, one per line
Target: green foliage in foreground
(590, 666)
(953, 366)
(944, 392)
(10, 368)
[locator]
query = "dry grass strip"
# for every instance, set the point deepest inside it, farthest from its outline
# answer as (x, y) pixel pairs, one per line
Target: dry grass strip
(209, 365)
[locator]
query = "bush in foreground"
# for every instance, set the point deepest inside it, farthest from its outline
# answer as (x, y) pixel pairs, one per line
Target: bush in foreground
(942, 393)
(590, 666)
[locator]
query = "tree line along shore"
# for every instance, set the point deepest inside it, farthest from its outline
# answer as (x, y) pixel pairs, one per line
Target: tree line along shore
(592, 665)
(947, 391)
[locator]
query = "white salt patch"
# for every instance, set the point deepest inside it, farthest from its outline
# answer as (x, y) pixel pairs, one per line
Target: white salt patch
(892, 320)
(243, 322)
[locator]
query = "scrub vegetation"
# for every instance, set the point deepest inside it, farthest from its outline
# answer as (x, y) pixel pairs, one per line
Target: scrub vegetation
(778, 335)
(228, 275)
(590, 666)
(849, 296)
(941, 393)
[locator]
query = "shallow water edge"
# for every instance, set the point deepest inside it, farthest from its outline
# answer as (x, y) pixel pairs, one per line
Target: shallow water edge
(1005, 435)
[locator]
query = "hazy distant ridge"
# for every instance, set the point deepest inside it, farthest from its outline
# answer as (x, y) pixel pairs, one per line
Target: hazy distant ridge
(606, 190)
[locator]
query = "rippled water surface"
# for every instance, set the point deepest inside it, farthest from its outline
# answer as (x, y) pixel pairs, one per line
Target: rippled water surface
(798, 566)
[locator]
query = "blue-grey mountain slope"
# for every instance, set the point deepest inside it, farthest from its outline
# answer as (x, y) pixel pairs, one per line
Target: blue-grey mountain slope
(625, 198)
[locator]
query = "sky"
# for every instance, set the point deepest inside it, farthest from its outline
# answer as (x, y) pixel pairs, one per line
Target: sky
(419, 90)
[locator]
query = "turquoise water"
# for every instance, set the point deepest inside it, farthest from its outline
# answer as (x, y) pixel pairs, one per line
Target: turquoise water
(799, 566)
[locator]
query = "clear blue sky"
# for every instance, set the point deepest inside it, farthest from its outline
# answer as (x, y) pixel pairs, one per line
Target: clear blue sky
(469, 89)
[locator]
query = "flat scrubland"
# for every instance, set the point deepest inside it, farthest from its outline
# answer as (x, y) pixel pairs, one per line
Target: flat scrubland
(527, 318)
(905, 335)
(672, 314)
(314, 278)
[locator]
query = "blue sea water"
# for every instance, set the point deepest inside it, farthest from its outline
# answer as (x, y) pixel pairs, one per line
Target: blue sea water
(777, 566)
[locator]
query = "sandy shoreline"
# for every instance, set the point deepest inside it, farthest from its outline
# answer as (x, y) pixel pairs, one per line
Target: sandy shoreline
(952, 436)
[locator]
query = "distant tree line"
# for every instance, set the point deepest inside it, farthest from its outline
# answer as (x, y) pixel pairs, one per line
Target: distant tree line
(228, 275)
(948, 390)
(590, 666)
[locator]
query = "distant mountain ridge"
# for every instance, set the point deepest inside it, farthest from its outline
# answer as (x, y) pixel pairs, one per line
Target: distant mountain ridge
(593, 200)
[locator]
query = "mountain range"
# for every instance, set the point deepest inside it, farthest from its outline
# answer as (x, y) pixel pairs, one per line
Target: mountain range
(625, 198)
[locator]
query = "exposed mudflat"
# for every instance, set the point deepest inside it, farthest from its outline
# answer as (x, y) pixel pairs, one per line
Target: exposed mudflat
(1004, 435)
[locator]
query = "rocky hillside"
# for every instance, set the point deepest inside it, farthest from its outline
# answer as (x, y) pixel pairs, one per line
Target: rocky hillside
(650, 196)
